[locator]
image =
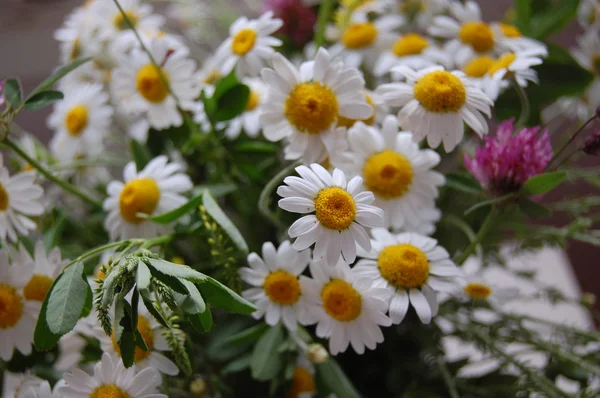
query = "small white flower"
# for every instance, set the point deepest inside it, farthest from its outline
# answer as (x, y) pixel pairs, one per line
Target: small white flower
(476, 285)
(127, 41)
(76, 36)
(587, 52)
(140, 89)
(304, 105)
(436, 103)
(510, 38)
(154, 190)
(43, 390)
(345, 307)
(20, 199)
(422, 12)
(249, 119)
(588, 12)
(70, 347)
(112, 379)
(81, 120)
(110, 22)
(19, 385)
(342, 212)
(412, 268)
(398, 173)
(249, 44)
(277, 294)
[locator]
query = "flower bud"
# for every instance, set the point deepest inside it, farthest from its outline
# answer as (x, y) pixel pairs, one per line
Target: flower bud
(317, 354)
(198, 387)
(598, 112)
(588, 299)
(592, 144)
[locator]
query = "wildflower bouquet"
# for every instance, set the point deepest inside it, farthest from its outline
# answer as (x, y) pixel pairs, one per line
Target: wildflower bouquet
(309, 210)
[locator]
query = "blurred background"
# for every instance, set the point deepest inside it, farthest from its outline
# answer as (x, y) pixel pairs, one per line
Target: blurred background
(28, 50)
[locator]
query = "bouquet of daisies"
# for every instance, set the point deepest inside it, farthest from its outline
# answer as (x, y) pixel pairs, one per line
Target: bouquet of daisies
(307, 208)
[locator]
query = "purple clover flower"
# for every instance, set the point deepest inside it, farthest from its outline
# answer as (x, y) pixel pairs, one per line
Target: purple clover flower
(506, 161)
(2, 99)
(298, 19)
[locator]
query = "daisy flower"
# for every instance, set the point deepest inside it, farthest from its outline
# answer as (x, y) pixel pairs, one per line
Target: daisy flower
(139, 87)
(70, 347)
(111, 22)
(411, 268)
(76, 35)
(20, 198)
(18, 316)
(81, 120)
(477, 67)
(34, 149)
(112, 379)
(435, 104)
(249, 44)
(43, 390)
(587, 52)
(127, 40)
(477, 288)
(303, 379)
(510, 38)
(277, 292)
(345, 307)
(16, 385)
(588, 12)
(304, 105)
(249, 120)
(421, 12)
(379, 110)
(398, 173)
(154, 190)
(342, 212)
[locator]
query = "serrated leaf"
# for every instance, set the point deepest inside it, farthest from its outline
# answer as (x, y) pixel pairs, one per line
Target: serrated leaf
(56, 76)
(177, 213)
(193, 302)
(219, 295)
(533, 209)
(213, 209)
(336, 380)
(66, 300)
(266, 361)
(176, 270)
(169, 280)
(12, 92)
(543, 183)
(43, 99)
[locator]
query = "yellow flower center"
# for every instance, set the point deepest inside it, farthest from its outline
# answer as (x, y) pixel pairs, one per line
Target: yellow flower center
(502, 63)
(76, 50)
(440, 92)
(335, 208)
(403, 265)
(341, 301)
(150, 85)
(478, 291)
(37, 287)
(147, 334)
(302, 382)
(282, 287)
(596, 64)
(138, 196)
(243, 41)
(76, 120)
(311, 107)
(359, 35)
(120, 22)
(478, 35)
(27, 167)
(178, 260)
(410, 44)
(346, 122)
(4, 201)
(510, 30)
(109, 391)
(213, 77)
(11, 306)
(478, 66)
(253, 101)
(388, 174)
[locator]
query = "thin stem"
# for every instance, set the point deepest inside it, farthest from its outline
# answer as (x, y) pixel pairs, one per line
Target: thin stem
(159, 240)
(264, 201)
(565, 356)
(481, 234)
(324, 15)
(46, 173)
(89, 163)
(583, 333)
(525, 106)
(573, 137)
(96, 251)
(447, 378)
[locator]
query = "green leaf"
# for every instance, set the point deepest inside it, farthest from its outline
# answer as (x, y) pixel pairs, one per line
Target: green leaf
(533, 209)
(169, 280)
(139, 340)
(489, 202)
(43, 99)
(176, 270)
(549, 20)
(256, 147)
(237, 365)
(143, 275)
(216, 190)
(43, 338)
(141, 154)
(543, 183)
(127, 339)
(249, 335)
(193, 303)
(177, 213)
(67, 300)
(213, 209)
(56, 76)
(232, 103)
(202, 322)
(523, 15)
(219, 295)
(266, 361)
(463, 182)
(336, 380)
(13, 92)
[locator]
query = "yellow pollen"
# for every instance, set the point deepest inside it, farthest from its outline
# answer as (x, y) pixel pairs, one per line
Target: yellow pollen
(478, 66)
(109, 391)
(120, 22)
(11, 306)
(37, 287)
(359, 35)
(410, 44)
(253, 101)
(213, 77)
(150, 85)
(243, 41)
(311, 107)
(502, 63)
(510, 30)
(403, 265)
(341, 301)
(478, 35)
(4, 200)
(478, 291)
(440, 92)
(596, 64)
(100, 274)
(147, 334)
(388, 174)
(76, 120)
(138, 196)
(27, 167)
(346, 122)
(76, 50)
(335, 208)
(282, 287)
(178, 260)
(302, 382)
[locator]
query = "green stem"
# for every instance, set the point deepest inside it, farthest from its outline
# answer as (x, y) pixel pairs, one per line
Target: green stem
(89, 163)
(448, 378)
(159, 240)
(264, 201)
(96, 251)
(590, 335)
(481, 234)
(324, 15)
(566, 356)
(525, 106)
(63, 184)
(573, 137)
